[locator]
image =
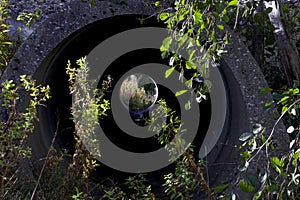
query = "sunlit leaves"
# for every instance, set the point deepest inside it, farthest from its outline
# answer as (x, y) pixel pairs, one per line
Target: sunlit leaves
(220, 188)
(190, 65)
(233, 3)
(246, 185)
(221, 27)
(265, 90)
(166, 44)
(163, 16)
(296, 157)
(181, 92)
(169, 72)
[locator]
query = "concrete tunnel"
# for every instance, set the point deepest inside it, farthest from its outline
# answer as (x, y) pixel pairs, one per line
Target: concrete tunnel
(80, 29)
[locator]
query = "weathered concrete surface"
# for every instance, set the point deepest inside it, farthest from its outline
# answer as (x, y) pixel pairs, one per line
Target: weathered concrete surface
(250, 80)
(58, 26)
(247, 105)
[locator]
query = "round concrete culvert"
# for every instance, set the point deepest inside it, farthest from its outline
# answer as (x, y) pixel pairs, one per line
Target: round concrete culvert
(218, 122)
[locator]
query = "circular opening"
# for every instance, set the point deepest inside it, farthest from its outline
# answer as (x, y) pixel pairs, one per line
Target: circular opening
(138, 93)
(148, 91)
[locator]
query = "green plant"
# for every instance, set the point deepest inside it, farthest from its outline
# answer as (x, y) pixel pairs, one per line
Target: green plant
(4, 37)
(29, 18)
(188, 180)
(114, 192)
(140, 188)
(198, 27)
(78, 195)
(279, 178)
(56, 182)
(15, 129)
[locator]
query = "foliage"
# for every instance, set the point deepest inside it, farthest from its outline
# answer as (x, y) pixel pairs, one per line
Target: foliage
(291, 18)
(187, 181)
(198, 27)
(15, 129)
(204, 23)
(279, 178)
(138, 184)
(4, 37)
(29, 18)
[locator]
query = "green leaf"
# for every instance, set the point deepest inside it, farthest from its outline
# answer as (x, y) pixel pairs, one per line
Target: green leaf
(166, 44)
(251, 179)
(245, 136)
(198, 18)
(189, 82)
(245, 187)
(257, 195)
(190, 65)
(283, 99)
(246, 155)
(220, 188)
(184, 15)
(226, 40)
(169, 72)
(259, 18)
(6, 43)
(181, 92)
(157, 3)
(221, 27)
(233, 3)
(226, 19)
(278, 165)
(284, 109)
(163, 16)
(272, 188)
(269, 10)
(296, 157)
(285, 8)
(265, 90)
(263, 139)
(268, 104)
(276, 161)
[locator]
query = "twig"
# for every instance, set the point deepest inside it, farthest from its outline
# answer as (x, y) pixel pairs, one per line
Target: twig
(237, 15)
(44, 166)
(273, 130)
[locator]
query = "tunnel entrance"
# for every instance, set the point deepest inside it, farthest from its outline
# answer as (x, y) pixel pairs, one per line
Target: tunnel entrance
(82, 42)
